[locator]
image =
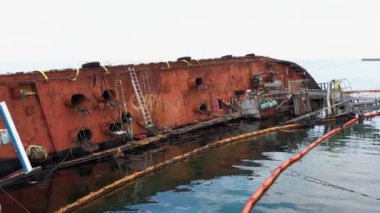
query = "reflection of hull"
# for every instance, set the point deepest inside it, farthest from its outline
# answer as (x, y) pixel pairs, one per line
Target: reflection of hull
(68, 185)
(69, 109)
(268, 112)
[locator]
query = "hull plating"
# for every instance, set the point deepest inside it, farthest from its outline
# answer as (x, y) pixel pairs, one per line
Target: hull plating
(66, 109)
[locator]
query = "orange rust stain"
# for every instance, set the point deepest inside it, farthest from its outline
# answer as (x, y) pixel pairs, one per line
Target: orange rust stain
(47, 117)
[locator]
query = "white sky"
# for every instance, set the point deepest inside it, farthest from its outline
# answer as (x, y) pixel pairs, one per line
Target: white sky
(131, 31)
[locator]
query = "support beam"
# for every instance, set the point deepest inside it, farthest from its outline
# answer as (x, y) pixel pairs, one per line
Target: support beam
(16, 141)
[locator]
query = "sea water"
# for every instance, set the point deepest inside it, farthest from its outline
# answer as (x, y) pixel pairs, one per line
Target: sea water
(340, 175)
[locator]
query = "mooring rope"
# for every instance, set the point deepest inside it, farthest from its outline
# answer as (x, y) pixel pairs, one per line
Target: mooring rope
(315, 180)
(284, 165)
(130, 178)
(12, 198)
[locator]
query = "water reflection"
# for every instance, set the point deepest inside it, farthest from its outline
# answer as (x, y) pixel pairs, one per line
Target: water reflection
(239, 160)
(65, 186)
(221, 180)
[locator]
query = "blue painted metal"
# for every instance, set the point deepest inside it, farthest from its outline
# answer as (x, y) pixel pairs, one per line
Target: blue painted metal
(16, 141)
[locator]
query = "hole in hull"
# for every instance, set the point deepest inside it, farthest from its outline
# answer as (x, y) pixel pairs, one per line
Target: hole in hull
(77, 99)
(114, 127)
(198, 82)
(126, 117)
(84, 135)
(203, 108)
(109, 95)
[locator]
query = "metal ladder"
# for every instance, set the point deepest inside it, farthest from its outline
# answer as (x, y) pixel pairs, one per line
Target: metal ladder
(140, 98)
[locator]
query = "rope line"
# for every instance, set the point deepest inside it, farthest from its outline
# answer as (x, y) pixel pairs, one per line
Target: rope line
(187, 62)
(76, 75)
(44, 75)
(106, 70)
(311, 179)
(12, 198)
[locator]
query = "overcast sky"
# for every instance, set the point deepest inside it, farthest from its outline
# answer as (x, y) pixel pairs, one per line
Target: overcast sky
(131, 31)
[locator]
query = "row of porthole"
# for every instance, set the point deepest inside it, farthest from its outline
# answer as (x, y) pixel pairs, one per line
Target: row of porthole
(86, 134)
(109, 95)
(203, 108)
(78, 98)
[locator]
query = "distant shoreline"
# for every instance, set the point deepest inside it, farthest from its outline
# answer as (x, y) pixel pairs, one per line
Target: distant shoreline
(370, 59)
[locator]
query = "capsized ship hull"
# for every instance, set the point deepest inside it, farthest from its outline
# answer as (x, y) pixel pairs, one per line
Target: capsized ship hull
(96, 107)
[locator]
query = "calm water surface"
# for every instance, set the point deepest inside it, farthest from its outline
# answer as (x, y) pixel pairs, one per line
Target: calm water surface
(341, 175)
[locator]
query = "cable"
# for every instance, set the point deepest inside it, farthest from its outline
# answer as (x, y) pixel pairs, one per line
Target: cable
(63, 160)
(18, 203)
(325, 183)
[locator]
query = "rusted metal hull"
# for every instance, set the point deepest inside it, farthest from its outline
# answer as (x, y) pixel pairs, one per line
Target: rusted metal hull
(80, 109)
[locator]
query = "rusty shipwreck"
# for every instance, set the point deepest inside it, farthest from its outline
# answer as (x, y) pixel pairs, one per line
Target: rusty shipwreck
(96, 108)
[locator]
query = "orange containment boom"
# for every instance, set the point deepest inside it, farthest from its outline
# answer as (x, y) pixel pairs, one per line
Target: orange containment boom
(360, 91)
(276, 173)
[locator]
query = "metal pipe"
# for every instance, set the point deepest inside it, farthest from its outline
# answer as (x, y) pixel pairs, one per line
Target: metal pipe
(16, 141)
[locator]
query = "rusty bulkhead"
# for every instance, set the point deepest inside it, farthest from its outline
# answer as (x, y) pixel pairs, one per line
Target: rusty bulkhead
(96, 107)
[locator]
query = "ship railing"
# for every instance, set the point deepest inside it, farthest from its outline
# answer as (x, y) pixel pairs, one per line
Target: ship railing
(323, 86)
(303, 85)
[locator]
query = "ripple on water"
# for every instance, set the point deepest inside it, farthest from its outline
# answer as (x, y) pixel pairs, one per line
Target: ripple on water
(331, 178)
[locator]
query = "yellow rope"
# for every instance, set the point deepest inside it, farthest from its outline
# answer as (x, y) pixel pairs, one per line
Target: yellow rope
(76, 75)
(187, 62)
(106, 70)
(44, 75)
